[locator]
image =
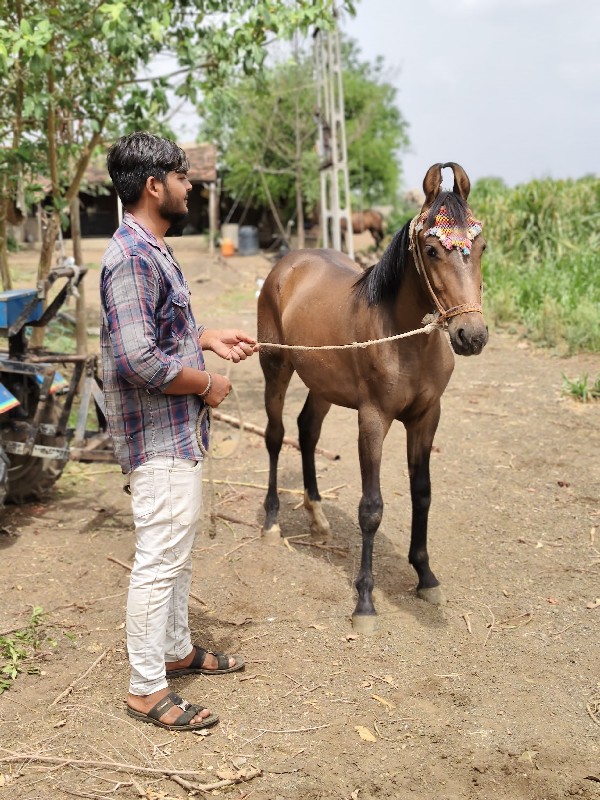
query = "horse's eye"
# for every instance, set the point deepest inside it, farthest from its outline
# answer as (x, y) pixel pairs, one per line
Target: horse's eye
(431, 252)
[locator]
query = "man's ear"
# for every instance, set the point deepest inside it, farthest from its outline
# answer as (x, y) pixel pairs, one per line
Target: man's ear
(152, 185)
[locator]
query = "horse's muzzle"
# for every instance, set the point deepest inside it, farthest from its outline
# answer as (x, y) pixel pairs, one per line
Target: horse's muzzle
(468, 334)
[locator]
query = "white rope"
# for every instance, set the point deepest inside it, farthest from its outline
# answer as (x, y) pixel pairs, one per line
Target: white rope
(353, 345)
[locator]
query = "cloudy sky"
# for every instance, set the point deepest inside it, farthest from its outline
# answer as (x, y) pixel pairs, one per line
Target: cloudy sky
(504, 87)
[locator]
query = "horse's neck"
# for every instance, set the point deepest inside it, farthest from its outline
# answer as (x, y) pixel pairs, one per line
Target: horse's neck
(412, 302)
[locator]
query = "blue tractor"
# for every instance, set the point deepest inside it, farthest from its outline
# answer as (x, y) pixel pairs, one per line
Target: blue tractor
(36, 400)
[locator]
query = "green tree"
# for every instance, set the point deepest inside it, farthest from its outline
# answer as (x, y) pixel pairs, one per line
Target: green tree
(70, 77)
(266, 134)
(376, 132)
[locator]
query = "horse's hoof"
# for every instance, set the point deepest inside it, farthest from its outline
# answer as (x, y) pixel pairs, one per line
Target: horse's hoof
(319, 524)
(365, 624)
(272, 535)
(317, 528)
(435, 595)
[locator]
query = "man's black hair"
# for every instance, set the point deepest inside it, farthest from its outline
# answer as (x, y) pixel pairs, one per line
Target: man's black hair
(134, 158)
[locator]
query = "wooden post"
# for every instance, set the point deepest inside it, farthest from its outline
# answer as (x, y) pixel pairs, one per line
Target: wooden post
(212, 216)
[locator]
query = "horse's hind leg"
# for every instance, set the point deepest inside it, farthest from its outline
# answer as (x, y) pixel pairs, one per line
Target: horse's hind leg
(310, 421)
(372, 431)
(277, 374)
(419, 441)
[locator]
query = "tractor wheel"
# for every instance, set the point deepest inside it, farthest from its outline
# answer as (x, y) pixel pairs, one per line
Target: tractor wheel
(30, 477)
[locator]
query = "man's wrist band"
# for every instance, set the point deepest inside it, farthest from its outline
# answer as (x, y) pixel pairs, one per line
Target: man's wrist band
(208, 386)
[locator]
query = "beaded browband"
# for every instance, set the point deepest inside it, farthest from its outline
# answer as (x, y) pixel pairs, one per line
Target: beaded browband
(449, 232)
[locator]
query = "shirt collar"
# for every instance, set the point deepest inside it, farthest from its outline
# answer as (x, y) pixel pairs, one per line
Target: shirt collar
(148, 236)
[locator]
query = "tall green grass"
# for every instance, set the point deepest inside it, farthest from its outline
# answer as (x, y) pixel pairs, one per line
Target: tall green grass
(542, 266)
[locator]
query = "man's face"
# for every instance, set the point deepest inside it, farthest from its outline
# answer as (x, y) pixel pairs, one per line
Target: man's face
(173, 205)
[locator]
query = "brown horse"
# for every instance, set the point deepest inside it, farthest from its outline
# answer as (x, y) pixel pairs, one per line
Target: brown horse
(319, 298)
(367, 220)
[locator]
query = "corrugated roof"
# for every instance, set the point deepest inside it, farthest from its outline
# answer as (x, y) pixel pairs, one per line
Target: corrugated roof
(202, 158)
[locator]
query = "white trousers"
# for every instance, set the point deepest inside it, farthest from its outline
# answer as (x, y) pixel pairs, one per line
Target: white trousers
(166, 499)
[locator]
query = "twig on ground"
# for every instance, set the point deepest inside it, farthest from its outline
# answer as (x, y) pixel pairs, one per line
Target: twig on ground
(242, 544)
(128, 567)
(466, 616)
(265, 488)
(562, 630)
(112, 765)
(339, 551)
(295, 730)
(506, 624)
(236, 521)
(491, 625)
(74, 683)
(245, 775)
(248, 426)
(593, 709)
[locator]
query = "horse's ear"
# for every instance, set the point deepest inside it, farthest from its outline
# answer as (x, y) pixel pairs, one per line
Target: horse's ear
(432, 183)
(462, 184)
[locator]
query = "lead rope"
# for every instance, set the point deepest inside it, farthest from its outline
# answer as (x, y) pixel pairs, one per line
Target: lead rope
(427, 328)
(206, 414)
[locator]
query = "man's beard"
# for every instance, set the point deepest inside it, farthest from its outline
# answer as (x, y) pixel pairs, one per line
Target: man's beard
(168, 212)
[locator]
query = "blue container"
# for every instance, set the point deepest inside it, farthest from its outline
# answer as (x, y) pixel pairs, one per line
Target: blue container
(248, 240)
(12, 303)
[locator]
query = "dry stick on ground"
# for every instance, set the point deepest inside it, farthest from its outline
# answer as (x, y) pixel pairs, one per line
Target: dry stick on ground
(243, 544)
(248, 426)
(128, 566)
(264, 488)
(236, 521)
(340, 551)
(74, 683)
(246, 775)
(111, 765)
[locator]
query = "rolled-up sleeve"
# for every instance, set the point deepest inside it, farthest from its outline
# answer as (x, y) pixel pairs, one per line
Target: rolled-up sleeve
(131, 290)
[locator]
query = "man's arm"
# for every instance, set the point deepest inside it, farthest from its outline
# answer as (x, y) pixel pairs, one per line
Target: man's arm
(230, 344)
(129, 296)
(195, 381)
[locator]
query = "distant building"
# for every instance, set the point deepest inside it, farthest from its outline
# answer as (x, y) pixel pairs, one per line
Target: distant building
(100, 209)
(100, 206)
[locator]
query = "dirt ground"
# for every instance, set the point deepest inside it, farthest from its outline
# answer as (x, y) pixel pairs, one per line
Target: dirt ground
(495, 695)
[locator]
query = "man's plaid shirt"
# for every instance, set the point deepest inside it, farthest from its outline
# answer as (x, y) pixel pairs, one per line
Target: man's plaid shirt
(148, 334)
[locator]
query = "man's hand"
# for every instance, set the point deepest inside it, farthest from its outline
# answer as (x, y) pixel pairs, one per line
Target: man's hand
(219, 389)
(231, 344)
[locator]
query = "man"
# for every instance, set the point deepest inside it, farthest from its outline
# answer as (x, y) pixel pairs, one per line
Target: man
(156, 388)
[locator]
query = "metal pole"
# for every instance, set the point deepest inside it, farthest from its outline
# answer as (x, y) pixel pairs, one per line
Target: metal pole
(334, 179)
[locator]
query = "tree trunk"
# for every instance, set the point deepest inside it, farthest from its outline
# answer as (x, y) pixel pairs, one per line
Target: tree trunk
(47, 252)
(4, 268)
(299, 211)
(80, 310)
(298, 159)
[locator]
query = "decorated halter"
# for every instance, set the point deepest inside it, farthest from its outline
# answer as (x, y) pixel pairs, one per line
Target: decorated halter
(450, 234)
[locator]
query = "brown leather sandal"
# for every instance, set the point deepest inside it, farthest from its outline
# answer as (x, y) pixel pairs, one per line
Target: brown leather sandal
(182, 723)
(196, 668)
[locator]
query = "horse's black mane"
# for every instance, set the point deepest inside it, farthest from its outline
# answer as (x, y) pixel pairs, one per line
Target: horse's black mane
(382, 281)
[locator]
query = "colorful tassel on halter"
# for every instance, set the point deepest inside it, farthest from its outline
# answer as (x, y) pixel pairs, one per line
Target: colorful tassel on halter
(448, 231)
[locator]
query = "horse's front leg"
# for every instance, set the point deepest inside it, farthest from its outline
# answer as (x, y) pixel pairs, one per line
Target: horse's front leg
(372, 431)
(419, 440)
(310, 421)
(277, 377)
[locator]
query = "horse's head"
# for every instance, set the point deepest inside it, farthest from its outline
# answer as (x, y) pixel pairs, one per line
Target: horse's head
(447, 246)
